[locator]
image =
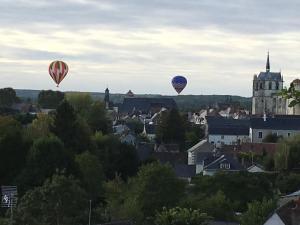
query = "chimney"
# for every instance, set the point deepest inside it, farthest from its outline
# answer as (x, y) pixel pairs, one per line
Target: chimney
(265, 117)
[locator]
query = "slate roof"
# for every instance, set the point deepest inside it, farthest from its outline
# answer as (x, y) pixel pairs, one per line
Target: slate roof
(145, 104)
(234, 164)
(185, 171)
(269, 76)
(277, 123)
(228, 126)
(207, 157)
(171, 157)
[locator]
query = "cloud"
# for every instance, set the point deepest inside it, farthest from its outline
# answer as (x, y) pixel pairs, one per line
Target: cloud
(140, 44)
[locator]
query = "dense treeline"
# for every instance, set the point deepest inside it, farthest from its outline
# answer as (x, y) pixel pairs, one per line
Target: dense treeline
(184, 102)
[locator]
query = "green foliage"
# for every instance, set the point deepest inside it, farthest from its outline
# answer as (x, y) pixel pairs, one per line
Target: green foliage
(49, 99)
(218, 206)
(91, 174)
(240, 188)
(12, 149)
(171, 128)
(181, 216)
(59, 201)
(97, 118)
(40, 127)
(271, 138)
(136, 125)
(46, 156)
(258, 212)
(155, 187)
(73, 131)
(287, 157)
(194, 133)
(7, 97)
(288, 183)
(291, 93)
(115, 156)
(81, 102)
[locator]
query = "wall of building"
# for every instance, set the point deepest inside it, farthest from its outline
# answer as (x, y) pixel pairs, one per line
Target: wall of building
(227, 139)
(266, 100)
(254, 134)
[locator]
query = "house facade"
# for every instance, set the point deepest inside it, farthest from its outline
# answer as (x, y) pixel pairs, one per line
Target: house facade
(284, 126)
(227, 131)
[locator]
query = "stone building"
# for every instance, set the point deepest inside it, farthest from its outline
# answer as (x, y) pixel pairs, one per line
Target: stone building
(266, 87)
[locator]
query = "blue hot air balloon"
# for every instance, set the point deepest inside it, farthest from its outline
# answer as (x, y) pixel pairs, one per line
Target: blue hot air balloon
(179, 83)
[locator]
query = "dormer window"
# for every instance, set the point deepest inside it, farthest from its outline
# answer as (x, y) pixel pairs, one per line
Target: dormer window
(225, 166)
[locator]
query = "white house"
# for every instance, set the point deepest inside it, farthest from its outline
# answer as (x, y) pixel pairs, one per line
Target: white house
(227, 131)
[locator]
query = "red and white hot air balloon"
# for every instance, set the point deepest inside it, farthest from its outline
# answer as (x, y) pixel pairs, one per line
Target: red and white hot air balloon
(58, 70)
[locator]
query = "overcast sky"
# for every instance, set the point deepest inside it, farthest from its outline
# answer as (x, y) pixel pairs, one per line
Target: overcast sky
(141, 44)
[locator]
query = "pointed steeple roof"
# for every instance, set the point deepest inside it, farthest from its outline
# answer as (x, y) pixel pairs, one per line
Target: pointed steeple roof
(268, 64)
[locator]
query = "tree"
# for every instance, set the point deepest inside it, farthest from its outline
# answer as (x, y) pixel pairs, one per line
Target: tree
(50, 99)
(60, 201)
(115, 156)
(73, 131)
(272, 138)
(181, 216)
(171, 128)
(97, 118)
(291, 93)
(91, 174)
(258, 212)
(13, 149)
(46, 156)
(81, 102)
(288, 183)
(155, 187)
(40, 127)
(239, 188)
(287, 157)
(8, 96)
(218, 206)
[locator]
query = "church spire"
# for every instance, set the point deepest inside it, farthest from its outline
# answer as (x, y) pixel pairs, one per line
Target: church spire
(268, 64)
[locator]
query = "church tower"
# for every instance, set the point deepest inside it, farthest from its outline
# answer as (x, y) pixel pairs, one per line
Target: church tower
(106, 98)
(266, 86)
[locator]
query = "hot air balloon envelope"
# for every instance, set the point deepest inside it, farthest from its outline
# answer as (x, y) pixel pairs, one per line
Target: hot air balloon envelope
(58, 70)
(179, 83)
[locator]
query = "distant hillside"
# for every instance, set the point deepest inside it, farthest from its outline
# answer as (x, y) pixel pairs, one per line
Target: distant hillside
(184, 102)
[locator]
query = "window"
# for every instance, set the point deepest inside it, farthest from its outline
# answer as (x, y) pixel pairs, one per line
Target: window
(288, 134)
(259, 134)
(277, 85)
(225, 166)
(270, 85)
(261, 86)
(222, 137)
